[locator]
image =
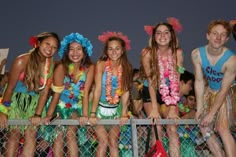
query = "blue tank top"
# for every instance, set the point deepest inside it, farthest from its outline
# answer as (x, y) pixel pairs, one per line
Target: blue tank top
(214, 74)
(114, 86)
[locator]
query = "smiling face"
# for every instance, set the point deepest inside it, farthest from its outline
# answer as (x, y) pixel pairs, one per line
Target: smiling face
(48, 47)
(75, 53)
(163, 35)
(114, 50)
(217, 37)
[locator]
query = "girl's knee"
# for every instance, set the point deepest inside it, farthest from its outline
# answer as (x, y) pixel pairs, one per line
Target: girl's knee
(172, 129)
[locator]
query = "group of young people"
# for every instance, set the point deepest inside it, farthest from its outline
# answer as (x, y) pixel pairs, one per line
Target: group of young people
(63, 86)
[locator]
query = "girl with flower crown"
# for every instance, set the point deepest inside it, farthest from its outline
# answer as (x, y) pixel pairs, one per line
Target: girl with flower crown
(161, 63)
(112, 82)
(73, 78)
(27, 91)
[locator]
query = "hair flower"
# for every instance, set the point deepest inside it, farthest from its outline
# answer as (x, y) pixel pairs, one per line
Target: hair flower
(175, 24)
(75, 37)
(106, 35)
(148, 29)
(33, 41)
(171, 20)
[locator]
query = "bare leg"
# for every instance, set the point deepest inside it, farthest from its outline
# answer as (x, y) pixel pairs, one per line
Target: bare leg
(102, 141)
(113, 141)
(174, 143)
(30, 142)
(58, 145)
(72, 146)
(13, 143)
(227, 139)
(212, 142)
(147, 109)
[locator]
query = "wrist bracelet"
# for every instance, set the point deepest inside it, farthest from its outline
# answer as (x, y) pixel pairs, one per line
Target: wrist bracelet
(4, 109)
(7, 103)
(92, 112)
(37, 115)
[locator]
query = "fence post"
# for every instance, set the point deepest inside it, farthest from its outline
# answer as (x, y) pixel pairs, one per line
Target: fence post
(134, 137)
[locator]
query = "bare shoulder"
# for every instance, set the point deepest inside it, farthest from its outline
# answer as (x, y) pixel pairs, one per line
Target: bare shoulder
(21, 61)
(99, 67)
(59, 67)
(195, 55)
(146, 52)
(91, 67)
(231, 63)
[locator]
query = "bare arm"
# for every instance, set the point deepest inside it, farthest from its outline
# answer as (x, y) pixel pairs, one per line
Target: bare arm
(58, 78)
(17, 67)
(98, 85)
(88, 84)
(199, 80)
(146, 57)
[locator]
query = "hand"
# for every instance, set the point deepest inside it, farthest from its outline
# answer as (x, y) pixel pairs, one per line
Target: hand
(155, 116)
(198, 116)
(172, 114)
(35, 120)
(83, 120)
(93, 120)
(46, 120)
(123, 120)
(3, 120)
(207, 120)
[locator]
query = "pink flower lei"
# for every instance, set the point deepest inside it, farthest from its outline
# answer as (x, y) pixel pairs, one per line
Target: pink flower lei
(169, 85)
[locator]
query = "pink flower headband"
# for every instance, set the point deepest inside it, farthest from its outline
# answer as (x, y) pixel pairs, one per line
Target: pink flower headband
(171, 20)
(106, 35)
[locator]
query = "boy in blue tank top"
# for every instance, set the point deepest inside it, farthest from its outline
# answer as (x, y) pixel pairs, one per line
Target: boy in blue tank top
(217, 65)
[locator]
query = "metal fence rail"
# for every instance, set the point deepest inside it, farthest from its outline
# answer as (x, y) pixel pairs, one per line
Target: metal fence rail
(132, 137)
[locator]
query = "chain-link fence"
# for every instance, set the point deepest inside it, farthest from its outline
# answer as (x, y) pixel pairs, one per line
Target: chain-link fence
(132, 138)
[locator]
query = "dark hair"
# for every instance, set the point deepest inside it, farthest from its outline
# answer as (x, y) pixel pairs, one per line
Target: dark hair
(32, 72)
(191, 93)
(186, 76)
(86, 61)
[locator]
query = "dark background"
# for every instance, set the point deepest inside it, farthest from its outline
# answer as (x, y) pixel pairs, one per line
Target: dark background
(20, 19)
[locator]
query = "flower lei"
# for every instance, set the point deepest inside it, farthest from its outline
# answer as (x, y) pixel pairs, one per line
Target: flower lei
(47, 72)
(74, 88)
(115, 99)
(168, 80)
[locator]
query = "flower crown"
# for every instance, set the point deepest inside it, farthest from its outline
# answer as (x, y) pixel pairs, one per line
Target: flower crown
(75, 37)
(106, 35)
(171, 20)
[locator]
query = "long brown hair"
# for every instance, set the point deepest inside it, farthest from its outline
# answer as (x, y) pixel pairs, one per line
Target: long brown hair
(153, 48)
(32, 72)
